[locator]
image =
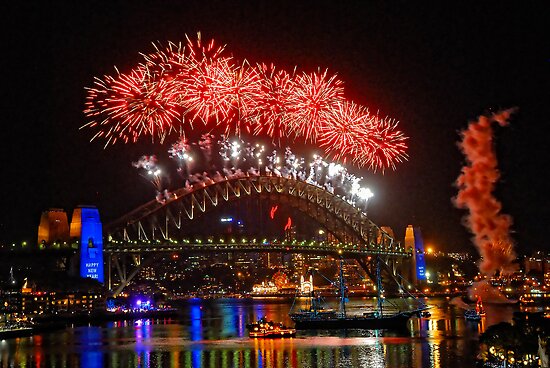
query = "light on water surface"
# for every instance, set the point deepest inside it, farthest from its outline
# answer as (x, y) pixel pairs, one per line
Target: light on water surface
(212, 333)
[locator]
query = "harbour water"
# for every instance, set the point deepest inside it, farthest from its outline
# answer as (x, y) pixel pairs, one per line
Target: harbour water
(212, 333)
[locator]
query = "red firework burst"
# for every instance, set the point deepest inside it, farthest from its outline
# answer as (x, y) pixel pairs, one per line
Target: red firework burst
(132, 105)
(315, 98)
(343, 129)
(241, 99)
(170, 64)
(382, 147)
(273, 105)
(207, 81)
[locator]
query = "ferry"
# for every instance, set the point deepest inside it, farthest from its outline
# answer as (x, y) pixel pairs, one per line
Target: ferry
(269, 329)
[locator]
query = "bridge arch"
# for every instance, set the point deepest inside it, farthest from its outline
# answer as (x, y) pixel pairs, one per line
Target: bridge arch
(156, 221)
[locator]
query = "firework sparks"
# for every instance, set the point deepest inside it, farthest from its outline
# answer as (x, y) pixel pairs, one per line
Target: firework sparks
(237, 158)
(207, 86)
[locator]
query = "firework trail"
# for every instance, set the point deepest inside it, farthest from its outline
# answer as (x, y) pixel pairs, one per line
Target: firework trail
(181, 152)
(206, 145)
(476, 184)
(150, 170)
(177, 86)
(206, 91)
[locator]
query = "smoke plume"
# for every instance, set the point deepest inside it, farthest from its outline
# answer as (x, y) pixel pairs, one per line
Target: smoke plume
(491, 228)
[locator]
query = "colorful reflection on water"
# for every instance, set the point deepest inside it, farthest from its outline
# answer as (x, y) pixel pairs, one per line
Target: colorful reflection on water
(213, 333)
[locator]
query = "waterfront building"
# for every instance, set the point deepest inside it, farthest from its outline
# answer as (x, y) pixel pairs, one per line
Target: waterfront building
(50, 302)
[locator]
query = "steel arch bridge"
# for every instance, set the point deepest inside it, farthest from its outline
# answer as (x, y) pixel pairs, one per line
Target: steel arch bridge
(156, 227)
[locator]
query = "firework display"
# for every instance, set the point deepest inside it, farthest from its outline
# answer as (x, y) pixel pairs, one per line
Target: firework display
(178, 87)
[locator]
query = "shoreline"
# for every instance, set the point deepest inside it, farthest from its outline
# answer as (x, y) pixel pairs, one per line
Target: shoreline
(59, 322)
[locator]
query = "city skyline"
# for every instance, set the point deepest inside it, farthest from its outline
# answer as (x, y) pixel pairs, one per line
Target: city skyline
(432, 71)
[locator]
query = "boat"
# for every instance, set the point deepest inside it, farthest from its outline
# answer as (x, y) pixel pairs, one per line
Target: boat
(269, 329)
(476, 313)
(425, 314)
(472, 315)
(17, 329)
(479, 306)
(315, 317)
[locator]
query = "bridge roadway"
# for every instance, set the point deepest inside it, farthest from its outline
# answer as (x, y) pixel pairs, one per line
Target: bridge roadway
(253, 245)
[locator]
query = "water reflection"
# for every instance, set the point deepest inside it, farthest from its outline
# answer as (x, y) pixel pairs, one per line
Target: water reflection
(213, 334)
(90, 343)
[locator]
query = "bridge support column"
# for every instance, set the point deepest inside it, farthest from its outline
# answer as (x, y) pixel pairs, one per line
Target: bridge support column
(124, 271)
(383, 265)
(109, 272)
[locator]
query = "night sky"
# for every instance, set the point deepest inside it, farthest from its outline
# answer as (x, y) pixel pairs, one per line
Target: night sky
(432, 68)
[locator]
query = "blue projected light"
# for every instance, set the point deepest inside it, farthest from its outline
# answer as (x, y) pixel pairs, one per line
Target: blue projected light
(419, 250)
(91, 245)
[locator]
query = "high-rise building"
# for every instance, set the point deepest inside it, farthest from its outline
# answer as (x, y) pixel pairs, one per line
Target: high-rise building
(53, 228)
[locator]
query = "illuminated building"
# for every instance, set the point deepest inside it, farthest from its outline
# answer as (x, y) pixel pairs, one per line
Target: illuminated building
(86, 227)
(40, 302)
(263, 288)
(415, 244)
(53, 228)
(306, 286)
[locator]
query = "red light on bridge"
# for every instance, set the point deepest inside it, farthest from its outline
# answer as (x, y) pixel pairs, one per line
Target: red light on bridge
(272, 212)
(288, 224)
